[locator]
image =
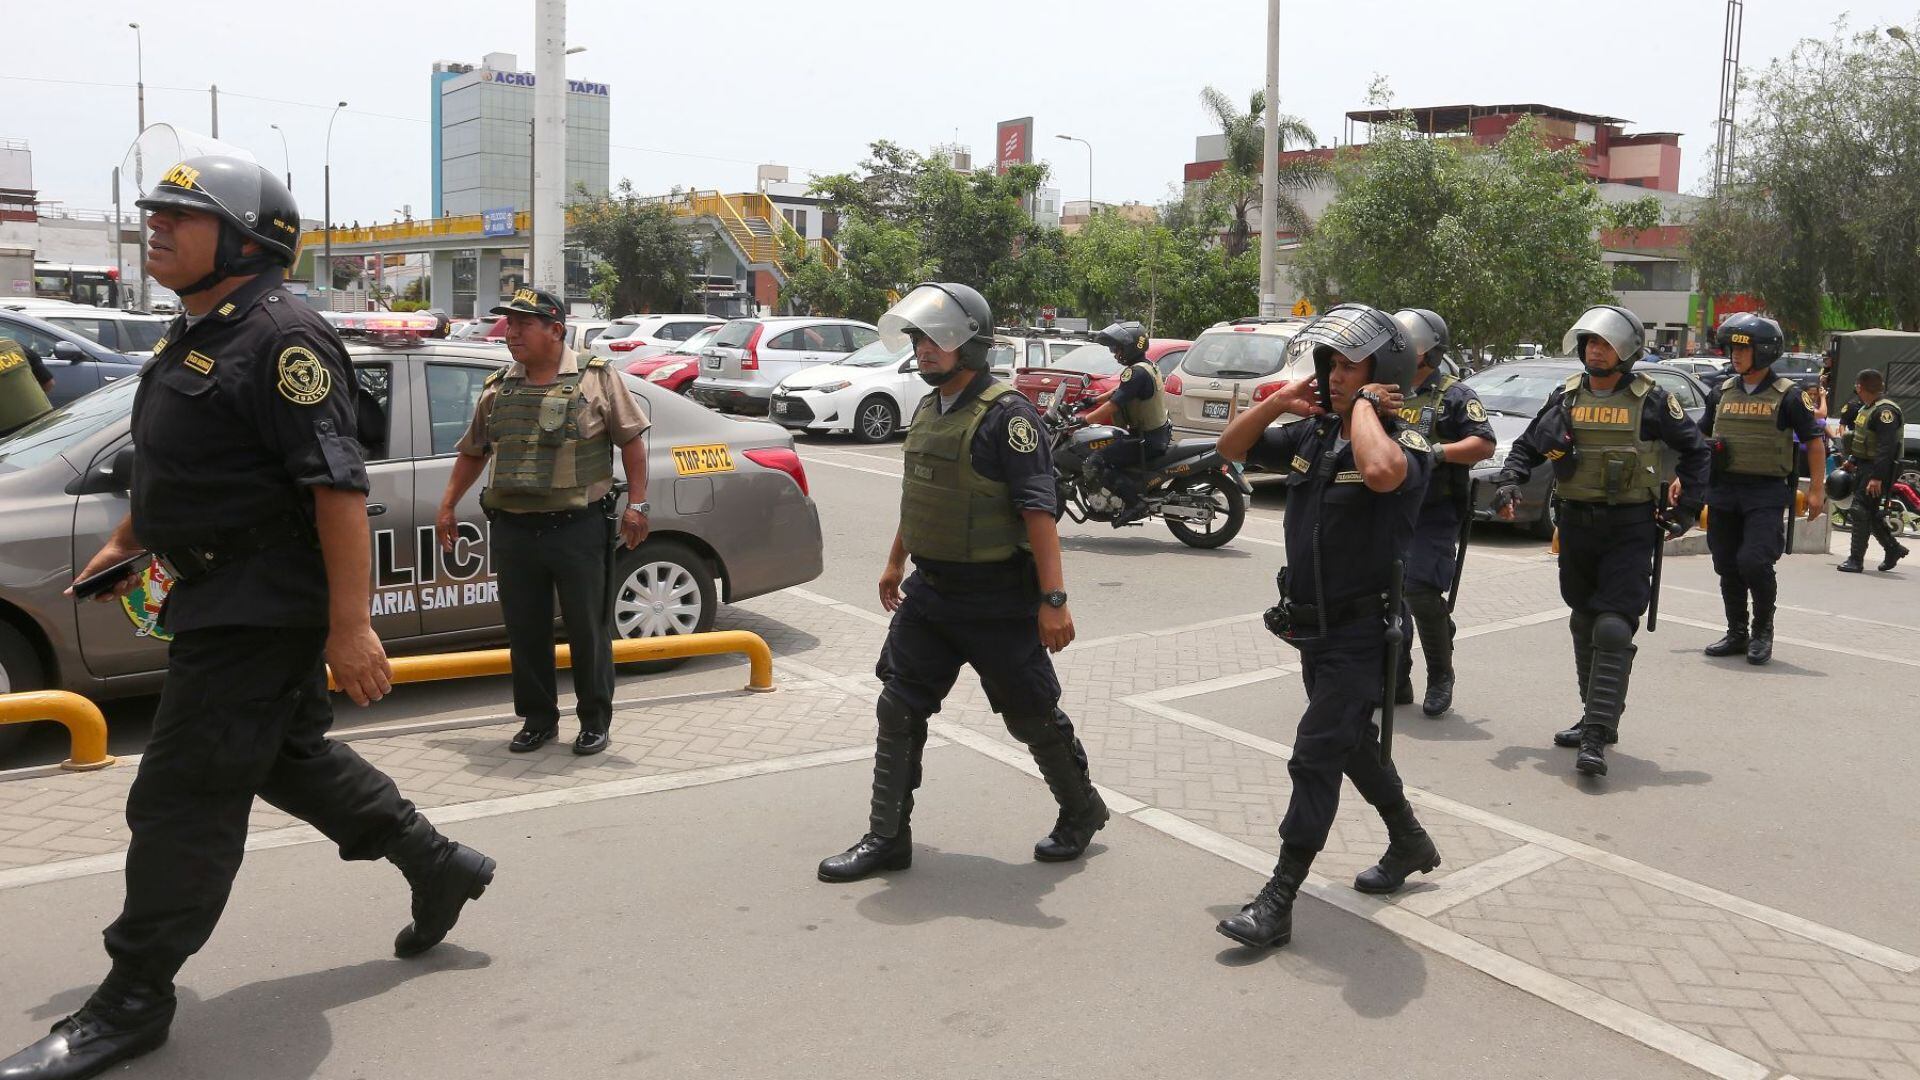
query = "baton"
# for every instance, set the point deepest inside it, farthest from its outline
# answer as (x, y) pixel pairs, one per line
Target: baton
(1793, 497)
(1460, 548)
(1659, 556)
(1396, 633)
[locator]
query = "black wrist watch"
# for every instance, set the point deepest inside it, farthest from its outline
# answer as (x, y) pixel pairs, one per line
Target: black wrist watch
(1055, 599)
(1370, 396)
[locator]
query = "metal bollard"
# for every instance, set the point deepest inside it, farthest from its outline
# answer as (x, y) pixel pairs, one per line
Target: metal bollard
(86, 727)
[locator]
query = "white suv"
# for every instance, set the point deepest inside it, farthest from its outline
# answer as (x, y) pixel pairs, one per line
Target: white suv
(1231, 366)
(749, 357)
(636, 337)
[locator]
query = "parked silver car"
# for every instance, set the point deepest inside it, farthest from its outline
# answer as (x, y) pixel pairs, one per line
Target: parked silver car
(749, 357)
(732, 519)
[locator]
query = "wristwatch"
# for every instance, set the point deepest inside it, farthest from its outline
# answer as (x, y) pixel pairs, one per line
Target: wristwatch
(1055, 599)
(1368, 395)
(643, 506)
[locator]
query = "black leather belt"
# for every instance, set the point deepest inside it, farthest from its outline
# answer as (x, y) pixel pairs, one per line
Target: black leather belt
(1338, 613)
(1592, 513)
(186, 562)
(599, 508)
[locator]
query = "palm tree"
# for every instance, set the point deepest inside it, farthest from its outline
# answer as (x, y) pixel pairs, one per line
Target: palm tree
(1237, 184)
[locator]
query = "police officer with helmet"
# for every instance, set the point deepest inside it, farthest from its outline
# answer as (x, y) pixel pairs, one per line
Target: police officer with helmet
(1604, 431)
(551, 425)
(24, 382)
(250, 488)
(1355, 475)
(1138, 404)
(1874, 443)
(1751, 426)
(1448, 414)
(977, 513)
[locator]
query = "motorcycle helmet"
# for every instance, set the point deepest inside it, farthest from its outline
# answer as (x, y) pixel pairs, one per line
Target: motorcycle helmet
(1129, 339)
(251, 203)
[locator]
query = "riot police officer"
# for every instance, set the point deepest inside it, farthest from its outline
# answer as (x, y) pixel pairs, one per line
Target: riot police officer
(1751, 425)
(1873, 459)
(1138, 404)
(1603, 431)
(552, 424)
(977, 513)
(251, 489)
(24, 382)
(1448, 414)
(1355, 475)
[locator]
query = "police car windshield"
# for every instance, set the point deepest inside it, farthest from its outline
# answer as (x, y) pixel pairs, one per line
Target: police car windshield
(1520, 391)
(876, 354)
(66, 426)
(1234, 354)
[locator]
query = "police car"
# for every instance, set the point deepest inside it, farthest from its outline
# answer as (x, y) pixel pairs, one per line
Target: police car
(731, 519)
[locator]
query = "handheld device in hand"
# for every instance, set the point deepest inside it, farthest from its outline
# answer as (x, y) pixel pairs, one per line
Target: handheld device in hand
(93, 585)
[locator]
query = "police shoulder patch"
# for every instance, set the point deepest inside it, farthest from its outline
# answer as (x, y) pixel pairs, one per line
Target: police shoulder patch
(1806, 398)
(1413, 440)
(1673, 408)
(1476, 412)
(304, 380)
(1885, 417)
(1021, 435)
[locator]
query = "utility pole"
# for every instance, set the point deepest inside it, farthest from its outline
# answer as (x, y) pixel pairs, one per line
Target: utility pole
(1269, 166)
(1729, 92)
(119, 243)
(214, 91)
(545, 265)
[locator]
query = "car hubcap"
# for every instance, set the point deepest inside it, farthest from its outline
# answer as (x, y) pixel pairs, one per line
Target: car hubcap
(876, 421)
(655, 600)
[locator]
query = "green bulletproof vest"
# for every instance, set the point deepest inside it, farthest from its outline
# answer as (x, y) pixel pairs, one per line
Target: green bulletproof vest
(21, 398)
(947, 510)
(540, 462)
(1749, 425)
(1422, 411)
(1144, 417)
(1863, 442)
(1612, 464)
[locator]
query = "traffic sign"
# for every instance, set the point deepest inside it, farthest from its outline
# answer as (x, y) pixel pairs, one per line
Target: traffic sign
(1303, 308)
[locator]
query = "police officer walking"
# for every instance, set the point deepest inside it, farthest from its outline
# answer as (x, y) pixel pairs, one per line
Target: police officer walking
(977, 516)
(24, 382)
(1138, 404)
(1751, 426)
(1873, 460)
(250, 487)
(1355, 474)
(1448, 414)
(551, 425)
(1603, 431)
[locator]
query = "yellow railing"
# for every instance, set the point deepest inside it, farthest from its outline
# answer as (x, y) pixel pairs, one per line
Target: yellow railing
(434, 667)
(86, 728)
(399, 231)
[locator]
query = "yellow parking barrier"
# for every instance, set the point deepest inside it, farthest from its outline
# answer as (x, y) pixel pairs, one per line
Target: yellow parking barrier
(466, 665)
(86, 727)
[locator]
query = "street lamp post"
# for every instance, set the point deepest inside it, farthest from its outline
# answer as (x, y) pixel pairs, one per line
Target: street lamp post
(326, 183)
(285, 159)
(139, 165)
(1089, 147)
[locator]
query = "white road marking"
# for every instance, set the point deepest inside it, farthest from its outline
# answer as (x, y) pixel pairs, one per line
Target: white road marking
(1802, 643)
(1479, 879)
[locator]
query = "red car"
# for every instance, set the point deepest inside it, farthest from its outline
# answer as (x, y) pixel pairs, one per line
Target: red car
(1088, 370)
(675, 370)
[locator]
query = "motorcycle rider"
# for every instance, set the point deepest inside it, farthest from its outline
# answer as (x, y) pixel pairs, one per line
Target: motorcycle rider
(1138, 404)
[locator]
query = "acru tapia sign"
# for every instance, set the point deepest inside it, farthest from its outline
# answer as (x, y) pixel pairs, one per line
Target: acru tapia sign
(525, 78)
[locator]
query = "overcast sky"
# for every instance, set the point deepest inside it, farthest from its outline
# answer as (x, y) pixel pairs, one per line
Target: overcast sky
(701, 92)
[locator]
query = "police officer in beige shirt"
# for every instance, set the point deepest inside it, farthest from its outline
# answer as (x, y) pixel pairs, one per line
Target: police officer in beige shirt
(552, 425)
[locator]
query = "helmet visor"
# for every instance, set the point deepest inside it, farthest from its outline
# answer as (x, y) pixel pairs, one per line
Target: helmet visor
(1352, 330)
(933, 312)
(1609, 324)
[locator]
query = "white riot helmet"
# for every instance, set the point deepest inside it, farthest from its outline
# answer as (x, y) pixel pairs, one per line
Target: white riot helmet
(1616, 326)
(953, 316)
(1427, 331)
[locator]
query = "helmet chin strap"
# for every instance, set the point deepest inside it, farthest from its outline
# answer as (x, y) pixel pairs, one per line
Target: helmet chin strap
(230, 260)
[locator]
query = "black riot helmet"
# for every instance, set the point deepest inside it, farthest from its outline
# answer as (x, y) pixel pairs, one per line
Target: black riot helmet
(1128, 339)
(251, 203)
(1429, 334)
(1357, 332)
(953, 315)
(1746, 328)
(1839, 484)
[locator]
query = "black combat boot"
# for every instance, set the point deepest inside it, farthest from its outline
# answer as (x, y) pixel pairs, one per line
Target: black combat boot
(444, 876)
(123, 1019)
(1893, 557)
(1063, 765)
(1581, 623)
(1760, 647)
(1856, 548)
(1613, 652)
(1435, 626)
(1409, 849)
(1733, 593)
(1267, 922)
(888, 845)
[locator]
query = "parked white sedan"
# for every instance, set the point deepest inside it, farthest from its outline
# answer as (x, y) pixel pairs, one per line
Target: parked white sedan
(870, 395)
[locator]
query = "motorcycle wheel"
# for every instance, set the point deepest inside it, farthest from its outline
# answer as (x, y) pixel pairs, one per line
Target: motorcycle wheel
(1230, 512)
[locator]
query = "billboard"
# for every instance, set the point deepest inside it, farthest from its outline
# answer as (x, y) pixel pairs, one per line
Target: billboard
(1013, 143)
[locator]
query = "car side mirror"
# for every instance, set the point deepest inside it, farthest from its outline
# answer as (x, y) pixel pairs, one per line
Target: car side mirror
(908, 365)
(68, 352)
(112, 477)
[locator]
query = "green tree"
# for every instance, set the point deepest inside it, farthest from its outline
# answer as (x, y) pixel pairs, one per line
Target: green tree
(1237, 186)
(878, 258)
(1503, 241)
(1823, 206)
(1167, 273)
(643, 252)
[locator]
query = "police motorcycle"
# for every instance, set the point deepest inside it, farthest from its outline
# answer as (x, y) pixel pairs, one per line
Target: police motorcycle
(1198, 493)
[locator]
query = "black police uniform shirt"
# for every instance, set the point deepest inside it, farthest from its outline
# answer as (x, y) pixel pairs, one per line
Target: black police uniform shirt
(1661, 420)
(236, 416)
(1011, 447)
(1796, 416)
(1332, 516)
(1461, 416)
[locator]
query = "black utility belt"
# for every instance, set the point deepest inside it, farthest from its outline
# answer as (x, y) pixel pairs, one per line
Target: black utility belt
(1597, 513)
(599, 508)
(1291, 621)
(187, 562)
(1016, 573)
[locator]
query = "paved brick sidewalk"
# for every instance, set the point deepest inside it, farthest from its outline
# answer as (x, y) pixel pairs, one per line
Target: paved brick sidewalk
(1728, 986)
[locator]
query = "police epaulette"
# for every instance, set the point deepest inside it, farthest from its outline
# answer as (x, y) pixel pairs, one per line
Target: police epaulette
(498, 374)
(597, 361)
(1783, 384)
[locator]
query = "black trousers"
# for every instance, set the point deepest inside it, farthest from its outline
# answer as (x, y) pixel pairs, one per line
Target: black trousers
(244, 712)
(1868, 509)
(924, 653)
(536, 557)
(1606, 558)
(1344, 674)
(1747, 534)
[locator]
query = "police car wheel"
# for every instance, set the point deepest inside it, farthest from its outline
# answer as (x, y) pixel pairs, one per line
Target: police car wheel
(663, 588)
(876, 420)
(1229, 513)
(20, 668)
